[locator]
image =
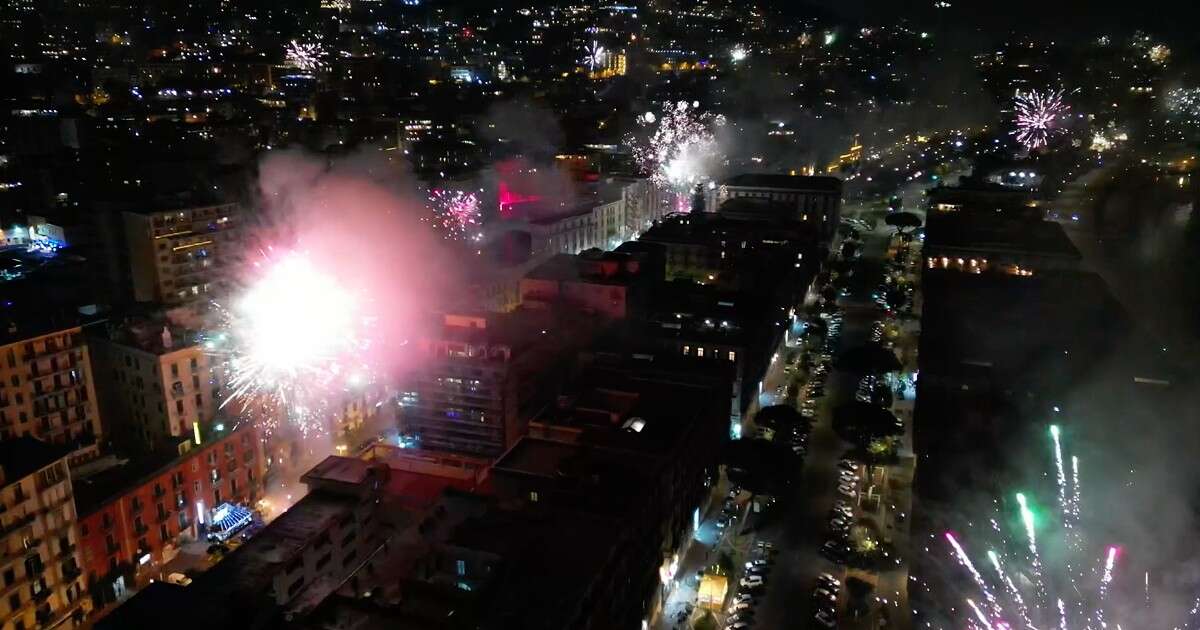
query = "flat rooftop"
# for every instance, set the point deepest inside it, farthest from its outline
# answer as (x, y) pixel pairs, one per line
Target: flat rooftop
(987, 232)
(349, 470)
(23, 456)
(789, 182)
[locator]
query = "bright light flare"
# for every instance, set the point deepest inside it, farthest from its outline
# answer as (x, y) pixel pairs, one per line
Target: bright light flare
(292, 342)
(295, 318)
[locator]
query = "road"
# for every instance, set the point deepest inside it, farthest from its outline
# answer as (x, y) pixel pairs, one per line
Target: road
(800, 529)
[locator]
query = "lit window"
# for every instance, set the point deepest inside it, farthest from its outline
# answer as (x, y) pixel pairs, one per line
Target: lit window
(699, 352)
(687, 349)
(461, 566)
(732, 355)
(533, 497)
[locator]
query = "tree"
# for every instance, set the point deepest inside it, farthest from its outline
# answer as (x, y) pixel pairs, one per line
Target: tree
(903, 221)
(760, 466)
(775, 416)
(862, 423)
(868, 359)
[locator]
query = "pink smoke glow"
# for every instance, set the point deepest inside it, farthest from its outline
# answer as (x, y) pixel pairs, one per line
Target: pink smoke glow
(343, 274)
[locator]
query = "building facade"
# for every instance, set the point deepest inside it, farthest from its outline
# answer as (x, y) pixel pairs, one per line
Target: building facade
(134, 516)
(156, 383)
(816, 201)
(181, 256)
(43, 586)
(481, 379)
(47, 390)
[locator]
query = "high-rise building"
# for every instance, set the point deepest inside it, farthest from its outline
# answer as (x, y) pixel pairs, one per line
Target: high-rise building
(46, 388)
(43, 582)
(156, 382)
(482, 377)
(181, 256)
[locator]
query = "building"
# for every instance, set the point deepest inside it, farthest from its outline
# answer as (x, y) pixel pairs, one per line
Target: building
(634, 455)
(294, 563)
(978, 243)
(813, 200)
(611, 284)
(43, 582)
(47, 389)
(182, 255)
(135, 513)
(156, 382)
(482, 376)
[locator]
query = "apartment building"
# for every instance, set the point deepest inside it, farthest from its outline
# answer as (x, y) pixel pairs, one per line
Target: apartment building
(47, 389)
(155, 381)
(182, 255)
(42, 584)
(136, 513)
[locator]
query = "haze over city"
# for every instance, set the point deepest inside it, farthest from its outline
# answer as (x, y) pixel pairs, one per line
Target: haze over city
(646, 315)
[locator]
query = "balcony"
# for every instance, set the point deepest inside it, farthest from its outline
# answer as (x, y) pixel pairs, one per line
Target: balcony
(42, 594)
(162, 517)
(17, 524)
(70, 573)
(141, 529)
(231, 467)
(112, 546)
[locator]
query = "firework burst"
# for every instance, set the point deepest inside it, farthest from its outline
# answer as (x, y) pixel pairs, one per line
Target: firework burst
(307, 57)
(457, 213)
(294, 344)
(682, 151)
(594, 56)
(1044, 573)
(1038, 117)
(1183, 105)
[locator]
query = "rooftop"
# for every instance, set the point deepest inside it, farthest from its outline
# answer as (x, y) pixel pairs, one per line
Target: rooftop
(23, 456)
(102, 481)
(615, 268)
(988, 232)
(788, 182)
(155, 335)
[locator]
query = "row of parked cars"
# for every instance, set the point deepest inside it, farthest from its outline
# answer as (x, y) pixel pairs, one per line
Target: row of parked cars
(825, 595)
(750, 586)
(841, 516)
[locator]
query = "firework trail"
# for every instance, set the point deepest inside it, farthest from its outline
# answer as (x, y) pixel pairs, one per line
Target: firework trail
(457, 213)
(1106, 578)
(682, 151)
(306, 57)
(1063, 598)
(1037, 116)
(293, 343)
(1010, 588)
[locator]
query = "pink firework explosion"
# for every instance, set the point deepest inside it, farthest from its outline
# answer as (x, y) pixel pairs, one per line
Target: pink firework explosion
(457, 212)
(1037, 116)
